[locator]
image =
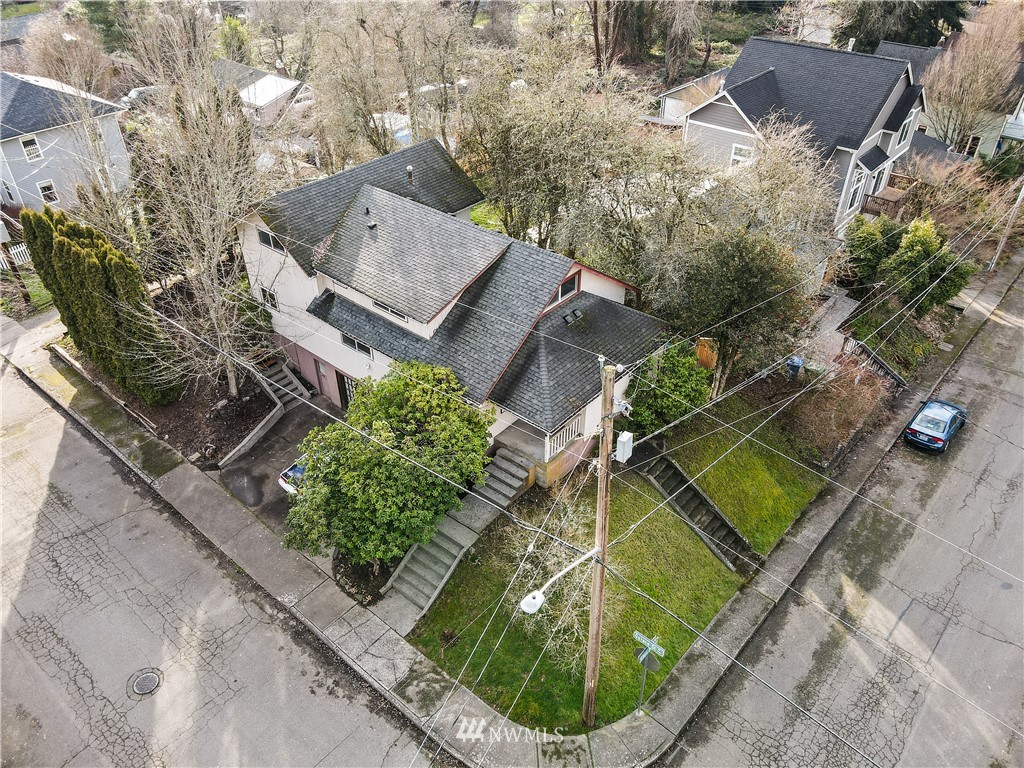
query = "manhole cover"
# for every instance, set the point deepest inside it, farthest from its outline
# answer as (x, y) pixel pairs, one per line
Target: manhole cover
(144, 682)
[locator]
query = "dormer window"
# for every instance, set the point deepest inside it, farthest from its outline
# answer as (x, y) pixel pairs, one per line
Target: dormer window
(568, 287)
(905, 129)
(390, 310)
(269, 239)
(31, 149)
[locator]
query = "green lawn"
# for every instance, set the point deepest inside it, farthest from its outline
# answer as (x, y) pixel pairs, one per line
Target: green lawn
(759, 490)
(10, 10)
(486, 215)
(901, 345)
(663, 557)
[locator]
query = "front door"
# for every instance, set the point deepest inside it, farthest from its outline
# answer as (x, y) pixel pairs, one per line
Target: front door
(346, 389)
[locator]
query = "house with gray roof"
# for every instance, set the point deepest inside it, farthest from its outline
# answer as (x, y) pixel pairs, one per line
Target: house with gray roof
(382, 262)
(265, 96)
(861, 109)
(996, 130)
(53, 139)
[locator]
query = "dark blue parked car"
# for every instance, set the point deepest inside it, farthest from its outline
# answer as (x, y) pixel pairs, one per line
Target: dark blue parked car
(934, 425)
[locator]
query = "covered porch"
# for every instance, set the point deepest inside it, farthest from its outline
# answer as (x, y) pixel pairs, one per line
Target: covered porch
(891, 199)
(553, 455)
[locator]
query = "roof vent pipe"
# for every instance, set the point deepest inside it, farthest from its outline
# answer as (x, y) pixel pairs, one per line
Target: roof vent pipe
(408, 173)
(849, 45)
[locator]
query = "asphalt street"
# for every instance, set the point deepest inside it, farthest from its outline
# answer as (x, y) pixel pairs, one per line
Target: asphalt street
(935, 675)
(101, 581)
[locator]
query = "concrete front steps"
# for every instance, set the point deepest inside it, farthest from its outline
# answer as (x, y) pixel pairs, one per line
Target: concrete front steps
(426, 568)
(287, 388)
(707, 520)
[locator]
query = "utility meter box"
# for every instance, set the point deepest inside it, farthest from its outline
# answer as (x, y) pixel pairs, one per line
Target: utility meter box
(624, 447)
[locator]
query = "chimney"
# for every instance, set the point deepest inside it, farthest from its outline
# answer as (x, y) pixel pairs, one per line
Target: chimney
(408, 174)
(849, 45)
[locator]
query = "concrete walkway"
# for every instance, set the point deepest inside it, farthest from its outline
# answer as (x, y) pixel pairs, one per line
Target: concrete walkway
(413, 683)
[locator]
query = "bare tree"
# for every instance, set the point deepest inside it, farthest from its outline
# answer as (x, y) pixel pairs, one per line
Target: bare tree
(69, 52)
(289, 32)
(682, 22)
(198, 178)
(971, 86)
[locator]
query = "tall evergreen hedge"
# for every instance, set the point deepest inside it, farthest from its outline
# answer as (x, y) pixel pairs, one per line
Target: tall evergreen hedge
(102, 299)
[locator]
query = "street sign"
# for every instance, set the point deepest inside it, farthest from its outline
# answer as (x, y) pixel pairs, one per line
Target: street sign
(647, 661)
(651, 645)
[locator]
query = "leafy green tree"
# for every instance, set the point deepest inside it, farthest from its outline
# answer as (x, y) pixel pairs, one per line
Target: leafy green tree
(869, 243)
(924, 258)
(371, 502)
(667, 387)
(102, 301)
(741, 289)
(235, 41)
(110, 20)
(916, 22)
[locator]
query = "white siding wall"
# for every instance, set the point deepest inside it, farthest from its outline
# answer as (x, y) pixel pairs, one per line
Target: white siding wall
(600, 285)
(674, 109)
(67, 161)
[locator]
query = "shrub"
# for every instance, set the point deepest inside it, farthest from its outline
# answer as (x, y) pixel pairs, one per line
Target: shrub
(666, 388)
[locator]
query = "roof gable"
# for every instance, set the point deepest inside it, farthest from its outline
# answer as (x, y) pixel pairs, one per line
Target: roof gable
(840, 93)
(919, 57)
(30, 104)
(409, 256)
(305, 216)
(758, 96)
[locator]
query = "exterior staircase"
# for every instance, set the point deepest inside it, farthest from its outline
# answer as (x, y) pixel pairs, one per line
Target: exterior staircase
(423, 572)
(286, 387)
(508, 477)
(706, 519)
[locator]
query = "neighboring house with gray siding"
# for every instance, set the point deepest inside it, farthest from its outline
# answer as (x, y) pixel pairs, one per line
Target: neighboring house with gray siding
(862, 110)
(54, 138)
(380, 263)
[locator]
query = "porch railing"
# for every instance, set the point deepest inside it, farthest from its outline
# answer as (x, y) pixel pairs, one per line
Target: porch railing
(891, 200)
(872, 361)
(555, 443)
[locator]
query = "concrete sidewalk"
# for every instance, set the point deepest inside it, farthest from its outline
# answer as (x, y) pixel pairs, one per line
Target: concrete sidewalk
(414, 684)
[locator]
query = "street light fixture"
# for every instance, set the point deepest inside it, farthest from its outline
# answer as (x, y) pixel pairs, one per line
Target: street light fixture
(533, 601)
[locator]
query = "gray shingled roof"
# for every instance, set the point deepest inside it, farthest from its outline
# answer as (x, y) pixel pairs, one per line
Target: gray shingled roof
(902, 109)
(383, 236)
(758, 96)
(303, 217)
(28, 105)
(931, 148)
(920, 57)
(14, 29)
(549, 380)
(873, 158)
(480, 335)
(840, 93)
(240, 76)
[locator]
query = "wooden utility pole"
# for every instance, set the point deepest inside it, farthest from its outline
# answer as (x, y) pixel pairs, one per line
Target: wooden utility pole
(1009, 228)
(600, 544)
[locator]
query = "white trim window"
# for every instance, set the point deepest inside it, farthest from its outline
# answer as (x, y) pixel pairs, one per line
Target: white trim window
(268, 297)
(48, 193)
(269, 240)
(904, 133)
(859, 178)
(353, 343)
(390, 310)
(569, 287)
(31, 148)
(741, 155)
(878, 181)
(971, 145)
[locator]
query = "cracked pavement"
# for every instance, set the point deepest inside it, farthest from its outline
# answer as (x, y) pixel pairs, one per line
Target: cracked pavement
(939, 660)
(100, 580)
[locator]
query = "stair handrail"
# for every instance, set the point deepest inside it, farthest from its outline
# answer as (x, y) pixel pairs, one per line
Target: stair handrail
(398, 568)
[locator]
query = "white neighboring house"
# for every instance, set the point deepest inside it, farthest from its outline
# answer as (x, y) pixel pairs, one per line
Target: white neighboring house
(265, 96)
(50, 145)
(863, 111)
(380, 262)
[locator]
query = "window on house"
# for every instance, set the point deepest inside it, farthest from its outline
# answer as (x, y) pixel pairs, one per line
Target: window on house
(269, 298)
(353, 343)
(47, 192)
(568, 287)
(859, 178)
(7, 193)
(971, 145)
(31, 149)
(270, 240)
(741, 154)
(905, 129)
(878, 181)
(390, 310)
